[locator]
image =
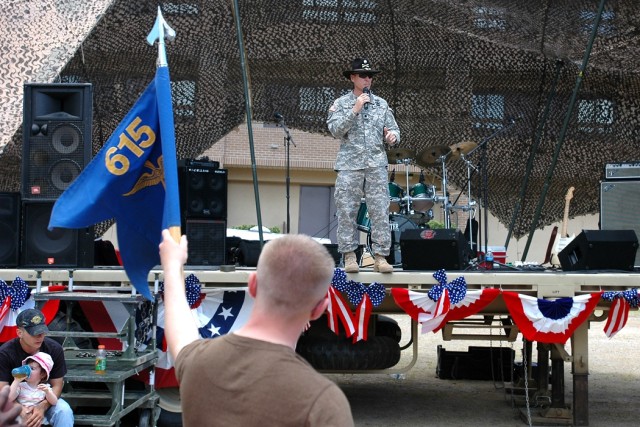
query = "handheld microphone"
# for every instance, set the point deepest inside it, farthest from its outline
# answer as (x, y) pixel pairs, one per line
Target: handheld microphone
(368, 92)
(393, 175)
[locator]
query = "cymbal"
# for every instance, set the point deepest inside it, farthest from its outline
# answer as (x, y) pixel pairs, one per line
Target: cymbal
(395, 154)
(430, 156)
(460, 148)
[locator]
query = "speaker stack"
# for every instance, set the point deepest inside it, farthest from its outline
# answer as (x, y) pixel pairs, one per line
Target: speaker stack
(203, 202)
(56, 147)
(620, 199)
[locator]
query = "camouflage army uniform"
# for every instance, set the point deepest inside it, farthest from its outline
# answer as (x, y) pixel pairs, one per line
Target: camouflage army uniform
(362, 162)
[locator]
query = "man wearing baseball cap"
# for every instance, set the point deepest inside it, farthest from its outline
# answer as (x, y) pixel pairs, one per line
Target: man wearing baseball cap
(31, 339)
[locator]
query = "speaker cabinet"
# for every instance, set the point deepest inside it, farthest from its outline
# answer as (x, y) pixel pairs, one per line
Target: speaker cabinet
(600, 250)
(619, 207)
(56, 138)
(207, 240)
(203, 190)
(60, 247)
(434, 249)
(9, 229)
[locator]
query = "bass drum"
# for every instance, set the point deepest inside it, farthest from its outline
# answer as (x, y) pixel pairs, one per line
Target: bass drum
(398, 223)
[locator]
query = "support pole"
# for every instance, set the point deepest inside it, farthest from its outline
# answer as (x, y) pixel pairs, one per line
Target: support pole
(247, 105)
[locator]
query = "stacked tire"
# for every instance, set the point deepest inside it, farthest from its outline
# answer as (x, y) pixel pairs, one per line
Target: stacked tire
(327, 351)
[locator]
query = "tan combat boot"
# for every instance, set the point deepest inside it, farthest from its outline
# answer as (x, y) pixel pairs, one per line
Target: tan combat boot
(351, 263)
(382, 265)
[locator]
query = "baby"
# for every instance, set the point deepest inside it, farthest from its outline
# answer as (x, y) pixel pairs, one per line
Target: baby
(34, 389)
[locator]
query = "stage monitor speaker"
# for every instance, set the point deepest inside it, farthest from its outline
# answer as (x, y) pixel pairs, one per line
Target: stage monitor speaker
(203, 190)
(61, 247)
(56, 137)
(424, 249)
(332, 248)
(600, 250)
(619, 207)
(9, 229)
(207, 239)
(250, 251)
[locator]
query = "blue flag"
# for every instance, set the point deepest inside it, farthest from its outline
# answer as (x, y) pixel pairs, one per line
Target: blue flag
(134, 179)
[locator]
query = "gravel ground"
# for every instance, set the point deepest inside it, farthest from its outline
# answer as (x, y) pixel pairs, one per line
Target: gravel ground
(420, 398)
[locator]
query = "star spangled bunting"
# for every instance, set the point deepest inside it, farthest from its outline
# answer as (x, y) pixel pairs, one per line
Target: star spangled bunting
(549, 321)
(192, 289)
(363, 297)
(16, 298)
(225, 315)
(416, 303)
(430, 308)
(18, 291)
(621, 302)
(219, 312)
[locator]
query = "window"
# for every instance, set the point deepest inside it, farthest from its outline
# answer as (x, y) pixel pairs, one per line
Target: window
(595, 116)
(487, 111)
(183, 93)
(489, 18)
(606, 26)
(358, 12)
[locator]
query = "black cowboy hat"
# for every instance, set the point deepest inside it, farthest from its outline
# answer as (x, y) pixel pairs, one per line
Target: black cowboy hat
(360, 65)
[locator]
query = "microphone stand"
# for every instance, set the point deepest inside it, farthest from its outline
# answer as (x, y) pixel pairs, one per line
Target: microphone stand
(287, 141)
(484, 193)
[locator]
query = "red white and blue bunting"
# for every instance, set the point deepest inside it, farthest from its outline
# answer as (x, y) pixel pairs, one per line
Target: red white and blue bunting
(549, 321)
(621, 303)
(443, 303)
(14, 299)
(364, 298)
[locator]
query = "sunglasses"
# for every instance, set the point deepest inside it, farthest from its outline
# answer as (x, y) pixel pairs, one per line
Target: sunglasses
(365, 76)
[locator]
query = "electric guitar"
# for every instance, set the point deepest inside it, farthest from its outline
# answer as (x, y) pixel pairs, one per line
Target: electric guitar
(564, 239)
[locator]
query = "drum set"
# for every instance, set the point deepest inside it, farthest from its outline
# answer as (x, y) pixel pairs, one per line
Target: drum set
(414, 208)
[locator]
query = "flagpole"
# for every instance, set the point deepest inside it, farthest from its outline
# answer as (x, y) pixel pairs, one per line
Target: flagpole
(161, 31)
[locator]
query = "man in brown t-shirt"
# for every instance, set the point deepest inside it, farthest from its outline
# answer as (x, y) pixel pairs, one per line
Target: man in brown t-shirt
(254, 377)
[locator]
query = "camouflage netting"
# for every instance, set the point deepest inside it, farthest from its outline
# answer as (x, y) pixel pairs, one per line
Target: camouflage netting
(453, 70)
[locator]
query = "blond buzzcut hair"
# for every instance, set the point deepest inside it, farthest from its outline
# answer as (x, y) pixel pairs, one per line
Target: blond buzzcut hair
(294, 273)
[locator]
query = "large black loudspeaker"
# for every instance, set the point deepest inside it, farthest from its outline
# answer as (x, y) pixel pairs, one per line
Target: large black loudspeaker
(9, 229)
(56, 138)
(203, 207)
(434, 249)
(619, 207)
(600, 250)
(203, 190)
(60, 247)
(207, 240)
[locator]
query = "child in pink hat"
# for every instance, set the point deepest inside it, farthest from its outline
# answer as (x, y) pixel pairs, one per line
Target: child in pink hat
(34, 389)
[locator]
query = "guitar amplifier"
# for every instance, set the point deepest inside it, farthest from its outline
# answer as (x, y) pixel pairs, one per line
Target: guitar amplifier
(622, 170)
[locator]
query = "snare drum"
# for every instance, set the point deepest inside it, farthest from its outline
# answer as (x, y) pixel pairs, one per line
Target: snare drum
(422, 196)
(396, 193)
(362, 220)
